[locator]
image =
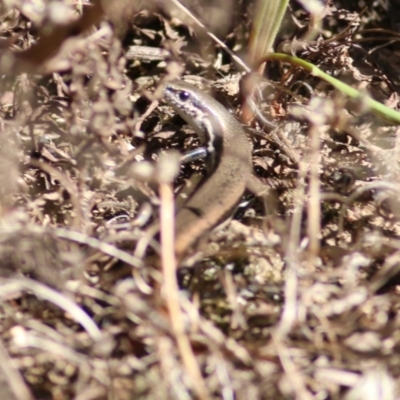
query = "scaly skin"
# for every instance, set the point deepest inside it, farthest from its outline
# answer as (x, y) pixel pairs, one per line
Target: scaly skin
(229, 163)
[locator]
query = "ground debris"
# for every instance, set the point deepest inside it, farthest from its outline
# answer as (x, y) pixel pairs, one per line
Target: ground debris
(286, 300)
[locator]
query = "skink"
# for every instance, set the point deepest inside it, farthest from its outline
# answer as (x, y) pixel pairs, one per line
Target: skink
(229, 164)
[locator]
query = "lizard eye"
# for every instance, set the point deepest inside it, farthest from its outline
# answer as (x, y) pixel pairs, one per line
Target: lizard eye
(183, 96)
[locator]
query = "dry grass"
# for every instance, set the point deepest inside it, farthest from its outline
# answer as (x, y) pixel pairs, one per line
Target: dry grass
(296, 302)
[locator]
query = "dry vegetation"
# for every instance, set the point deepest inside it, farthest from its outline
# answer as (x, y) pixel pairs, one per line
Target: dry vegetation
(296, 302)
